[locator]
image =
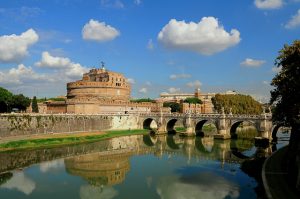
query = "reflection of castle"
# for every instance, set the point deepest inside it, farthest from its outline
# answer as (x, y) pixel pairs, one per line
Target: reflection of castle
(99, 168)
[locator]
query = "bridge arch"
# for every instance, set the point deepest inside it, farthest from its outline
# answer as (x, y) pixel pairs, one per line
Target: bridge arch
(236, 124)
(274, 132)
(199, 125)
(149, 123)
(171, 142)
(149, 140)
(200, 146)
(170, 126)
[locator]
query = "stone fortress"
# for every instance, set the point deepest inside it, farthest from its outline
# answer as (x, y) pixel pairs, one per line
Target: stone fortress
(101, 91)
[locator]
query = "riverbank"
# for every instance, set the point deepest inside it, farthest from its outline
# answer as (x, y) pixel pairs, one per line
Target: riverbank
(274, 176)
(61, 139)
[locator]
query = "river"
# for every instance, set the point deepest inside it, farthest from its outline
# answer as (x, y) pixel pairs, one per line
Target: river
(138, 166)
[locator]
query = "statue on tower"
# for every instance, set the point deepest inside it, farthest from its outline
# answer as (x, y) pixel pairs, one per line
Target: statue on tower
(102, 66)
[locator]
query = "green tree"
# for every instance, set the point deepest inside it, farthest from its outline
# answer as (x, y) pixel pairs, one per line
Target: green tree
(237, 104)
(192, 100)
(5, 100)
(286, 103)
(20, 102)
(143, 100)
(285, 96)
(175, 107)
(34, 105)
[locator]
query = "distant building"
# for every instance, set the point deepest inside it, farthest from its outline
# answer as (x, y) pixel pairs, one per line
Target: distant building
(205, 107)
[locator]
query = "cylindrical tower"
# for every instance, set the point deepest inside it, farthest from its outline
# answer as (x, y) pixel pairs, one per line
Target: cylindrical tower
(99, 84)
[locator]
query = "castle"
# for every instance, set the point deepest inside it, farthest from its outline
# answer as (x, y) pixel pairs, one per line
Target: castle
(100, 91)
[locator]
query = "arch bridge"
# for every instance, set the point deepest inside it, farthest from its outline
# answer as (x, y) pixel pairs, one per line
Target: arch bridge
(226, 124)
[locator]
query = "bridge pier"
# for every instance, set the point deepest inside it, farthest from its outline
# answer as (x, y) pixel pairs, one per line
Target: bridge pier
(190, 130)
(265, 127)
(223, 131)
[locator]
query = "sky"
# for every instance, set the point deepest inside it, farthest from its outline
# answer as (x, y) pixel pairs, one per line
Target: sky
(160, 46)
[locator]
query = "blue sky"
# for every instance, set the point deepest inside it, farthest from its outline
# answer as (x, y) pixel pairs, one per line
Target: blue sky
(161, 46)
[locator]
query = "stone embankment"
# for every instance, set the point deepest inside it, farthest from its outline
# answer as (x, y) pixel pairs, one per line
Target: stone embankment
(30, 124)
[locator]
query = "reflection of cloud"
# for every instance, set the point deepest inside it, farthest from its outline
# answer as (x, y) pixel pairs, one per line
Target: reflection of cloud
(20, 182)
(149, 181)
(205, 184)
(90, 192)
(47, 166)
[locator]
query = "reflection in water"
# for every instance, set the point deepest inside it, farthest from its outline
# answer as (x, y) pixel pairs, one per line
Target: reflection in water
(102, 169)
(52, 165)
(20, 182)
(92, 192)
(205, 185)
(99, 168)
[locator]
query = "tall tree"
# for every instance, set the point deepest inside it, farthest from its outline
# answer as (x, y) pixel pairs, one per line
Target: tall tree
(193, 100)
(34, 105)
(5, 100)
(285, 99)
(20, 102)
(285, 96)
(175, 107)
(237, 104)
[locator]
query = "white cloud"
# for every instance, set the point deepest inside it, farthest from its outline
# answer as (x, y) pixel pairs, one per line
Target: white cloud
(20, 182)
(268, 4)
(143, 90)
(99, 31)
(21, 74)
(69, 68)
(195, 84)
(148, 83)
(266, 82)
(131, 80)
(52, 165)
(137, 2)
(13, 48)
(118, 4)
(150, 44)
(252, 62)
(174, 90)
(22, 14)
(276, 69)
(179, 76)
(205, 37)
(294, 21)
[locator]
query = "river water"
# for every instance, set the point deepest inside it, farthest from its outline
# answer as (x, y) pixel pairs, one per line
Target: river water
(138, 166)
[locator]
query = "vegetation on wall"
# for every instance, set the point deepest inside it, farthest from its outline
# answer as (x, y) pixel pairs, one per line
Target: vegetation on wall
(193, 100)
(50, 99)
(142, 100)
(238, 104)
(175, 107)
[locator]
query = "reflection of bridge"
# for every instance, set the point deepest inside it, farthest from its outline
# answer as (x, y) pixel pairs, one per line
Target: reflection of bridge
(122, 148)
(226, 124)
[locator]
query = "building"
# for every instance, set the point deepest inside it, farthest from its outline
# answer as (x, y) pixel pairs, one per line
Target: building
(205, 107)
(100, 91)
